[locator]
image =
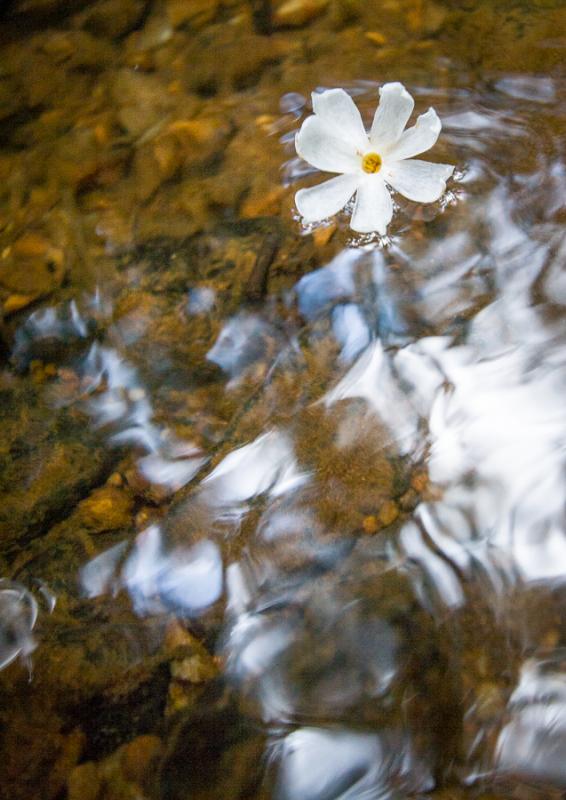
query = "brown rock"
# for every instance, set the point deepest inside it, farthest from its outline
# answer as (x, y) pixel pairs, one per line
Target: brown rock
(388, 513)
(296, 13)
(142, 99)
(409, 501)
(376, 38)
(107, 509)
(112, 18)
(47, 463)
(84, 782)
(15, 302)
(32, 266)
(227, 57)
(263, 204)
(419, 482)
(194, 669)
(370, 524)
(321, 236)
(345, 12)
(427, 19)
(138, 757)
(72, 746)
(195, 13)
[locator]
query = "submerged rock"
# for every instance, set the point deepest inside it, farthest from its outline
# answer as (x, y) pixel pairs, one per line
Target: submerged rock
(193, 13)
(106, 509)
(49, 461)
(111, 18)
(31, 267)
(296, 13)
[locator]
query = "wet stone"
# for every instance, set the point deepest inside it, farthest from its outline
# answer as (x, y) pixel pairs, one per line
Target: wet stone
(32, 265)
(106, 509)
(124, 774)
(49, 462)
(191, 667)
(224, 58)
(213, 751)
(192, 13)
(111, 18)
(296, 13)
(139, 757)
(84, 783)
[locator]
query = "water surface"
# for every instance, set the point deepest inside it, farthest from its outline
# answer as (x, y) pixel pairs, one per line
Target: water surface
(282, 510)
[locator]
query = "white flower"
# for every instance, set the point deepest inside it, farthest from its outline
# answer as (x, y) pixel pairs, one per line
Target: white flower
(334, 140)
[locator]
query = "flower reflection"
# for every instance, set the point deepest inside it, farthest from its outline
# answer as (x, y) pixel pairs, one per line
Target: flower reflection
(334, 140)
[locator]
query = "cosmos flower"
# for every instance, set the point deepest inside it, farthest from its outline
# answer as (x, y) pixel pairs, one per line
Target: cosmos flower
(334, 139)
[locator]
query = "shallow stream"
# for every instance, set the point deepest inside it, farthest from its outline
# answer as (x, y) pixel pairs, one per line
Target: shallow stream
(282, 508)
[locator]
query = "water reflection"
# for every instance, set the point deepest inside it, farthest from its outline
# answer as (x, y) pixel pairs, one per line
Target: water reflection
(107, 386)
(319, 764)
(382, 500)
(318, 290)
(267, 464)
(187, 580)
(532, 742)
(244, 340)
(18, 615)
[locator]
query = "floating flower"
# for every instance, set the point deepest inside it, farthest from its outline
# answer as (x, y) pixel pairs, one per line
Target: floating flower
(334, 139)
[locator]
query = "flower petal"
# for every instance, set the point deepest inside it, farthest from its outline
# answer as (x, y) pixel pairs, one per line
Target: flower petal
(392, 114)
(318, 145)
(418, 180)
(374, 207)
(327, 198)
(338, 111)
(422, 136)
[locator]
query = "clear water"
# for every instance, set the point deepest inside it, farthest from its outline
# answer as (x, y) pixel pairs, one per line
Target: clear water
(282, 510)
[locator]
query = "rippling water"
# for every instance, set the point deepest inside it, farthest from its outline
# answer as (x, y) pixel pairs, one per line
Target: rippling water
(338, 564)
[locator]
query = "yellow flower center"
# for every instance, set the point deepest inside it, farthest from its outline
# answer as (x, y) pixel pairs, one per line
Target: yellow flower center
(371, 162)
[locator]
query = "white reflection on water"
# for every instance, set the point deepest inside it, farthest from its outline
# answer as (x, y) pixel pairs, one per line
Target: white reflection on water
(119, 401)
(318, 764)
(201, 300)
(241, 342)
(98, 576)
(455, 344)
(371, 378)
(342, 764)
(532, 744)
(175, 474)
(498, 441)
(186, 579)
(350, 329)
(323, 287)
(297, 650)
(18, 615)
(266, 464)
(110, 389)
